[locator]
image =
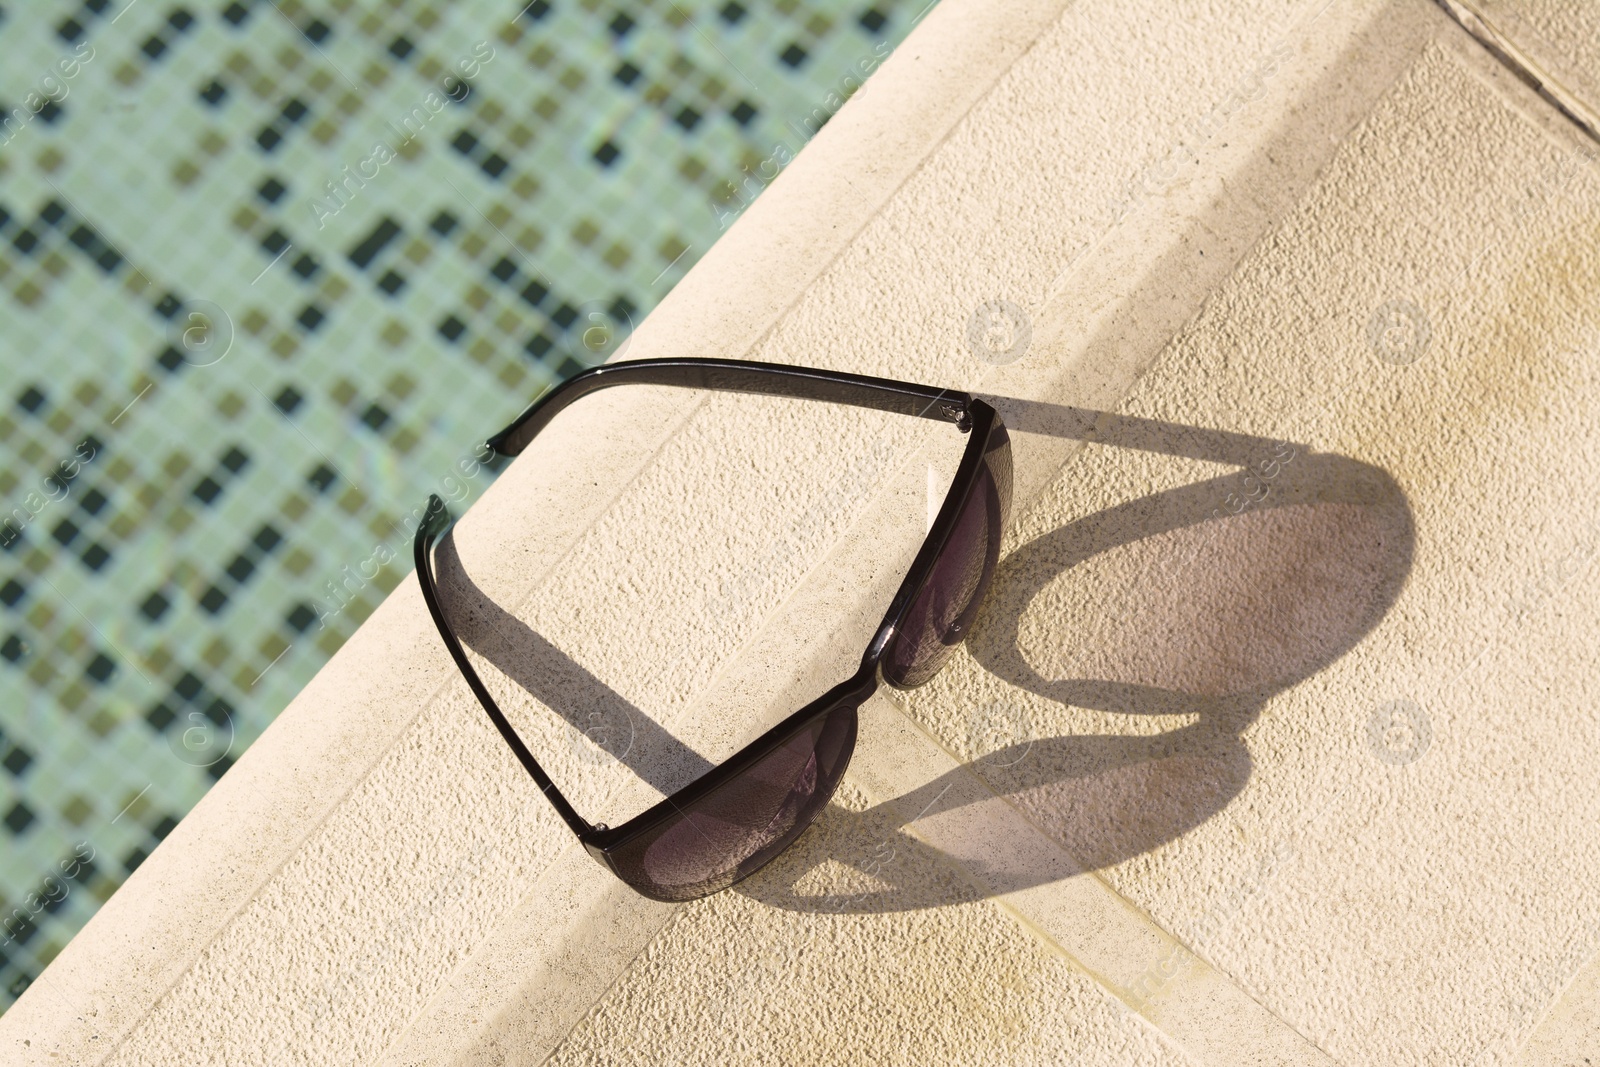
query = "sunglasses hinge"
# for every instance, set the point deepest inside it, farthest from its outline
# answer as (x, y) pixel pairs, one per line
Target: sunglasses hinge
(958, 414)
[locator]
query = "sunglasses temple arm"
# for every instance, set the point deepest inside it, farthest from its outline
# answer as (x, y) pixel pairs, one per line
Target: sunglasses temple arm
(432, 525)
(739, 376)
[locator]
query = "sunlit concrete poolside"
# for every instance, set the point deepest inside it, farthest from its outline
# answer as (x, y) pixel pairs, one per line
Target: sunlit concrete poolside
(1273, 743)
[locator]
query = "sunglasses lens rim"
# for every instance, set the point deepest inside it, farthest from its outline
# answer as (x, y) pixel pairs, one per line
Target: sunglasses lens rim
(625, 855)
(990, 491)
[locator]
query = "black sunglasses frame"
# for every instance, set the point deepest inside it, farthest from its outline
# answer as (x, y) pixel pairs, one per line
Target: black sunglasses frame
(968, 414)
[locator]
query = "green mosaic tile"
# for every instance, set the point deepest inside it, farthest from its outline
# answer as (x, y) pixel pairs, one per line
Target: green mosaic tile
(270, 270)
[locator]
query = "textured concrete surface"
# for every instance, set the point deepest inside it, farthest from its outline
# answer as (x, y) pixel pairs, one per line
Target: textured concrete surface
(1218, 674)
(1273, 744)
(887, 984)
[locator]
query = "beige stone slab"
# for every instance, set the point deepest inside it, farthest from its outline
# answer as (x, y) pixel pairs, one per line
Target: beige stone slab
(376, 878)
(1340, 744)
(1080, 379)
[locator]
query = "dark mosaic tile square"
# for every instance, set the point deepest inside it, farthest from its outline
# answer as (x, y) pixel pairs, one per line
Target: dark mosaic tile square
(188, 686)
(367, 250)
(31, 399)
(154, 606)
(206, 490)
(17, 761)
(101, 668)
(267, 538)
(19, 818)
(322, 477)
(96, 556)
(160, 717)
(288, 399)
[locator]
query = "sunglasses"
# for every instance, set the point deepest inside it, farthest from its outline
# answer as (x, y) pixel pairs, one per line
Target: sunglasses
(737, 817)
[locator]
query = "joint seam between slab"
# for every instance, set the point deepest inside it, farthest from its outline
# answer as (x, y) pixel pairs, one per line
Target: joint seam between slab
(1112, 988)
(1518, 62)
(1557, 998)
(622, 972)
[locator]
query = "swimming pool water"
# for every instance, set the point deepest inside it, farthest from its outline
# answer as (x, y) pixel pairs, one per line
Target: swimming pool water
(269, 271)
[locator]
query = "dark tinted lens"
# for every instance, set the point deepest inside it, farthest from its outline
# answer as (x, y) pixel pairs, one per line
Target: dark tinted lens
(731, 832)
(942, 613)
